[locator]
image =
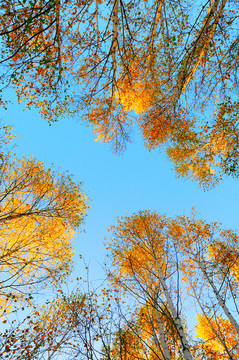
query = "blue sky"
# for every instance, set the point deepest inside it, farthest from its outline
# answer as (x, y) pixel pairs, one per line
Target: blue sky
(116, 185)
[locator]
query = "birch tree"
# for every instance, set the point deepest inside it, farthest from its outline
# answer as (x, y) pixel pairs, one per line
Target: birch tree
(40, 211)
(145, 267)
(169, 264)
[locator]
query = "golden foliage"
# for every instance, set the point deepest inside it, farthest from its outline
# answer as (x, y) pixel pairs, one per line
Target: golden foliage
(138, 248)
(40, 210)
(135, 92)
(217, 334)
(61, 61)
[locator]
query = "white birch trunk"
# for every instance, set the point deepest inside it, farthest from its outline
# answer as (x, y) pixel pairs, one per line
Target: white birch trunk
(221, 302)
(163, 343)
(177, 321)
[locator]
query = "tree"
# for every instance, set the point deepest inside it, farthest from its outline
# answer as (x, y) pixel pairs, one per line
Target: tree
(145, 266)
(173, 63)
(78, 325)
(46, 333)
(40, 209)
(211, 254)
(165, 264)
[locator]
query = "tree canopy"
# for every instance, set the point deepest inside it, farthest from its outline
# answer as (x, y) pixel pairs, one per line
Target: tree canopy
(40, 210)
(166, 265)
(174, 63)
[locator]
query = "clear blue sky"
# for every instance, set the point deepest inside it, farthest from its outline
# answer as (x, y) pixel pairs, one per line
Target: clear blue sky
(117, 185)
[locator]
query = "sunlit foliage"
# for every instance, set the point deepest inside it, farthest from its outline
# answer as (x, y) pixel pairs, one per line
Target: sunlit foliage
(174, 63)
(40, 210)
(166, 264)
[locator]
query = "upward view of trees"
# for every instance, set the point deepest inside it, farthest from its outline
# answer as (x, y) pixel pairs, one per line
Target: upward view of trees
(169, 68)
